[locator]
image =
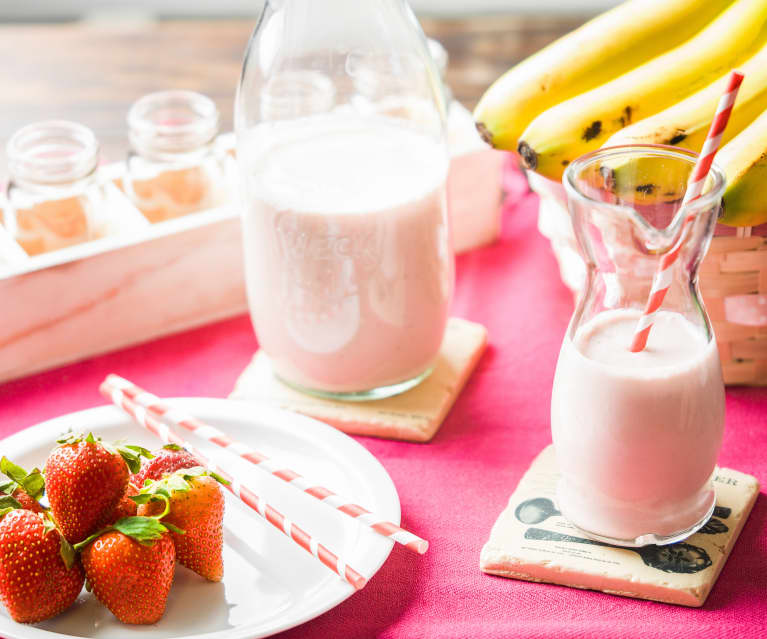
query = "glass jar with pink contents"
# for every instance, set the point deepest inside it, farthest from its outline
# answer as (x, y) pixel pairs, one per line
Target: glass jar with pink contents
(173, 169)
(54, 199)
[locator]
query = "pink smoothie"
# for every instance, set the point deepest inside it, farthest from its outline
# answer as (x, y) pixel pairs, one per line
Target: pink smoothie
(348, 258)
(637, 434)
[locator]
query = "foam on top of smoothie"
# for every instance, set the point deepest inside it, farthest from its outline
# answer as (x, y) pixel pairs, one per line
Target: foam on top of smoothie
(674, 341)
(343, 164)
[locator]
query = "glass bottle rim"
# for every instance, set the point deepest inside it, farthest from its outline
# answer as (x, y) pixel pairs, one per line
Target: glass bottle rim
(708, 199)
(170, 122)
(52, 152)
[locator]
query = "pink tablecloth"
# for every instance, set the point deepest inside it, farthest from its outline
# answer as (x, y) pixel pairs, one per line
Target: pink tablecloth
(453, 489)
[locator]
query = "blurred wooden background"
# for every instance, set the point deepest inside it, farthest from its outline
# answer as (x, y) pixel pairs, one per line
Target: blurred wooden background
(91, 72)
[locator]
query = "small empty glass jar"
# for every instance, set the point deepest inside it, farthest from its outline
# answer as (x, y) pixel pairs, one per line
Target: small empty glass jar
(173, 169)
(54, 199)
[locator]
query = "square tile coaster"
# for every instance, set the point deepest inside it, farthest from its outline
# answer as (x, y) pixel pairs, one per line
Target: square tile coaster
(412, 416)
(532, 541)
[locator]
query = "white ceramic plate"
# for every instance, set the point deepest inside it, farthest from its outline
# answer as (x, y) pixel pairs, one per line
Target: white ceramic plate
(270, 584)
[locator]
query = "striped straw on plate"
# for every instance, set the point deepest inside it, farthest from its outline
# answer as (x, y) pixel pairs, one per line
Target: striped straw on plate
(175, 417)
(663, 276)
(244, 494)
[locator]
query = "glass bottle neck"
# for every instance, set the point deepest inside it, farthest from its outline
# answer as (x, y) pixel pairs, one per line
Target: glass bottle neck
(277, 5)
(52, 154)
(167, 125)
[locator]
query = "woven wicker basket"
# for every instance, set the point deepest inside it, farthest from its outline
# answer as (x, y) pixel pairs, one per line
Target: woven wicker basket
(733, 282)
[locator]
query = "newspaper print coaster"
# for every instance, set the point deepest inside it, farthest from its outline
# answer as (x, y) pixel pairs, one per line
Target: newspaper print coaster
(532, 541)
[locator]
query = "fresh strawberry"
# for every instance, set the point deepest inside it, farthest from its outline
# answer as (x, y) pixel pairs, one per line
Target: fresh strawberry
(85, 480)
(166, 460)
(23, 488)
(39, 573)
(126, 507)
(197, 507)
(130, 568)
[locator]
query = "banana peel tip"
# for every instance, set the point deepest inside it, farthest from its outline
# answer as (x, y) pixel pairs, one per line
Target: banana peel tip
(529, 156)
(484, 132)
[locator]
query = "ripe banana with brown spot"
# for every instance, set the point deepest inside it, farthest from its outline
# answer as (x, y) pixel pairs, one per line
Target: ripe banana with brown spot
(686, 123)
(645, 179)
(600, 50)
(583, 123)
(744, 161)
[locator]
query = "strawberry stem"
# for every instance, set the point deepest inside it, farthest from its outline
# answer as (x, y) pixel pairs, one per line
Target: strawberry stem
(166, 510)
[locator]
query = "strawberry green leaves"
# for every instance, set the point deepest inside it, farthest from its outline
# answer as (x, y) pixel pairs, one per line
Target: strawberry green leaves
(72, 438)
(144, 530)
(31, 483)
(8, 503)
(175, 447)
(131, 454)
(175, 482)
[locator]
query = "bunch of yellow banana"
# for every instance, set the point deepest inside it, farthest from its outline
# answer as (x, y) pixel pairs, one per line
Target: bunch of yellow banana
(601, 49)
(555, 106)
(685, 124)
(583, 123)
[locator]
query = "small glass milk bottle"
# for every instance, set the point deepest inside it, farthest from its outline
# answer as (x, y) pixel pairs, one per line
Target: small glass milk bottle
(340, 123)
(54, 199)
(173, 169)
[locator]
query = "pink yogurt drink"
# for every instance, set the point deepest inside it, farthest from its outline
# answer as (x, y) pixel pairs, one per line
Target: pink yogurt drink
(348, 257)
(637, 434)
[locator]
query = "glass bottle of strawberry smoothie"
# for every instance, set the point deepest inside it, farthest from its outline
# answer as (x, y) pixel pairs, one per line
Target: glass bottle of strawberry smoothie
(340, 123)
(637, 434)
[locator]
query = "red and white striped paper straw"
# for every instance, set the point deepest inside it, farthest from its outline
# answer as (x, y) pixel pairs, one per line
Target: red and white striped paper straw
(158, 408)
(663, 276)
(244, 494)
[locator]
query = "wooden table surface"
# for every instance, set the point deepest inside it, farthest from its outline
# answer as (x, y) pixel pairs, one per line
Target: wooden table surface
(92, 72)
